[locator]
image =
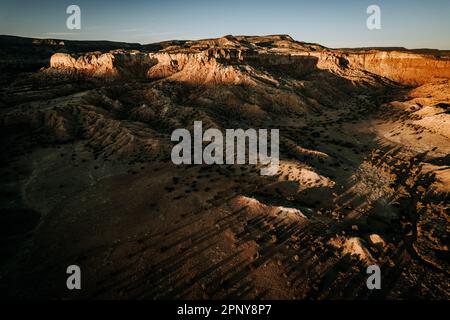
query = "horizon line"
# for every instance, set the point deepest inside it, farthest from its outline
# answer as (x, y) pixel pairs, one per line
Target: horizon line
(266, 35)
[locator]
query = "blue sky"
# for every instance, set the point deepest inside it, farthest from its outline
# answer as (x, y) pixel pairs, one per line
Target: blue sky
(333, 23)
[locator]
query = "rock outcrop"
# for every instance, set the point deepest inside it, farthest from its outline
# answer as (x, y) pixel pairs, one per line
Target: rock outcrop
(97, 64)
(402, 67)
(222, 61)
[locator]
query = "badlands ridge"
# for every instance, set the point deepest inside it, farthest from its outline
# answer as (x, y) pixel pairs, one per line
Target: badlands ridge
(364, 172)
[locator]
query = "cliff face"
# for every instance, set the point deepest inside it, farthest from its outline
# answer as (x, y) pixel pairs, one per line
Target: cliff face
(111, 64)
(227, 66)
(405, 68)
(228, 60)
(202, 67)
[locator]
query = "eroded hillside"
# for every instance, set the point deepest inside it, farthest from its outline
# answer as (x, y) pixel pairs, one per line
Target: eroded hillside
(364, 173)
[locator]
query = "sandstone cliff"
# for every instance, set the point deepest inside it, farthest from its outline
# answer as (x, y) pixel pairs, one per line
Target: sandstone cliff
(97, 64)
(229, 60)
(405, 68)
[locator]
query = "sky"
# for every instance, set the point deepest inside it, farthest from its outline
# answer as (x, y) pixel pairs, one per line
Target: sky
(333, 23)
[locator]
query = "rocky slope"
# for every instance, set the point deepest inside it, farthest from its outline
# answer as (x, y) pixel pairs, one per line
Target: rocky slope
(363, 179)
